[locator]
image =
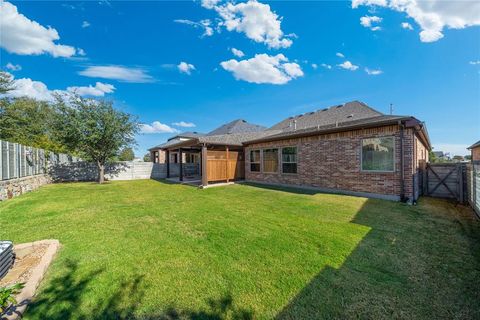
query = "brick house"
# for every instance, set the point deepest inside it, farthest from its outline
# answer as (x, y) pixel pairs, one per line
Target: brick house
(475, 149)
(350, 149)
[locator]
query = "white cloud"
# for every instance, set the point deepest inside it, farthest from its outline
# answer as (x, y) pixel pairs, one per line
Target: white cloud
(373, 72)
(209, 4)
(474, 62)
(81, 52)
(26, 87)
(406, 25)
(99, 90)
(85, 24)
(119, 73)
(326, 66)
(340, 55)
(314, 66)
(13, 67)
(23, 36)
(263, 69)
(433, 16)
(256, 20)
(205, 25)
(367, 22)
(185, 67)
(156, 127)
(348, 66)
(184, 124)
(237, 53)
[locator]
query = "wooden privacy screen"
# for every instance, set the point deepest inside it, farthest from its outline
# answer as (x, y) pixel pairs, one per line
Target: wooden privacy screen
(218, 169)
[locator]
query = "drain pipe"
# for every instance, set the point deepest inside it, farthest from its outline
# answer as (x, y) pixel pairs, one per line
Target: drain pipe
(402, 182)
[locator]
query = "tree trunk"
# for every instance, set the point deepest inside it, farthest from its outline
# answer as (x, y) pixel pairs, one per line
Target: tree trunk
(101, 172)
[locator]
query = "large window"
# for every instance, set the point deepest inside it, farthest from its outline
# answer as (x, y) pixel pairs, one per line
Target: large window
(289, 160)
(255, 160)
(270, 160)
(378, 154)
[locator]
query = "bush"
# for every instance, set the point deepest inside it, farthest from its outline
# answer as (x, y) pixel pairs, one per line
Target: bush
(7, 296)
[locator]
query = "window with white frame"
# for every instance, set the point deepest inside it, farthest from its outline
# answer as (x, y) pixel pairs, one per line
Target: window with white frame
(289, 160)
(378, 154)
(270, 160)
(255, 160)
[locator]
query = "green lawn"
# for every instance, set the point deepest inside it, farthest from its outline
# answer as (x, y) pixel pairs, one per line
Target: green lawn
(150, 250)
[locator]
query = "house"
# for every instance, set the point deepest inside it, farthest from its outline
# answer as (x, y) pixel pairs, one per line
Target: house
(475, 149)
(349, 148)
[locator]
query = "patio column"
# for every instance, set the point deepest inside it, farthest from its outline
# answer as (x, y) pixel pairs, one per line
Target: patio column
(167, 155)
(181, 164)
(228, 164)
(204, 166)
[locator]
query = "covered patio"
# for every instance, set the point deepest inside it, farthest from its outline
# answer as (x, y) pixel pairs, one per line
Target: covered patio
(210, 162)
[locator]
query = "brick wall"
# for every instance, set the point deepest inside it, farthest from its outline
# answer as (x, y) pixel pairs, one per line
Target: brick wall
(476, 154)
(333, 162)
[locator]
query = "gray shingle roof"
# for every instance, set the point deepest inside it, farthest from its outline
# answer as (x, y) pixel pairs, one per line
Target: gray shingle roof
(236, 126)
(377, 120)
(236, 139)
(476, 144)
(349, 111)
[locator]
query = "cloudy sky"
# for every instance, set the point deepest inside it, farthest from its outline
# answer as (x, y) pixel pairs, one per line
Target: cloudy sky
(193, 65)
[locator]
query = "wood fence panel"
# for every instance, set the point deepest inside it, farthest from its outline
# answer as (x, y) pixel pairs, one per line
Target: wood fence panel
(445, 180)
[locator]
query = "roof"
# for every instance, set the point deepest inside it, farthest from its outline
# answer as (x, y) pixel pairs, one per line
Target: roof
(349, 111)
(336, 127)
(236, 126)
(188, 134)
(475, 145)
(438, 153)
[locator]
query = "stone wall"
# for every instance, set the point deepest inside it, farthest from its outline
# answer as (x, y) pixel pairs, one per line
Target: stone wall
(15, 187)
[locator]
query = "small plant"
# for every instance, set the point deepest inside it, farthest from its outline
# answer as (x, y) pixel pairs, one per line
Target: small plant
(7, 295)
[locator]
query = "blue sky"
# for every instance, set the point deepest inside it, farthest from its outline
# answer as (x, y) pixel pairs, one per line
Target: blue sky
(297, 57)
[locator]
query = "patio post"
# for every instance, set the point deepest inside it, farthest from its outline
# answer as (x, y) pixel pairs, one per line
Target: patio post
(181, 164)
(204, 166)
(168, 163)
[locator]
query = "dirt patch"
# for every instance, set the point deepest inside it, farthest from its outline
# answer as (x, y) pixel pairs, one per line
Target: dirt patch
(26, 259)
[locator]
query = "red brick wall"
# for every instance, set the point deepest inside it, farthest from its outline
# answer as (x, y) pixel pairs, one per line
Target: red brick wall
(333, 161)
(476, 154)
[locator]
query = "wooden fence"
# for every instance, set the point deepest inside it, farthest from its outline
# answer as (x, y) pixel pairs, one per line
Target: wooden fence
(220, 169)
(445, 180)
(472, 173)
(18, 161)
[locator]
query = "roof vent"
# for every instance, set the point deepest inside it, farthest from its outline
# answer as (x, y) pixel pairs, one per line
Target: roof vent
(311, 113)
(324, 109)
(350, 116)
(339, 106)
(244, 121)
(301, 115)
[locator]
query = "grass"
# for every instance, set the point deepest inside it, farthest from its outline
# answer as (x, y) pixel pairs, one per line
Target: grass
(150, 250)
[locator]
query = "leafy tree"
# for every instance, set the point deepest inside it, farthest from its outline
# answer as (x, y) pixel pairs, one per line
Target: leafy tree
(94, 129)
(468, 157)
(146, 157)
(29, 122)
(6, 82)
(126, 154)
(432, 157)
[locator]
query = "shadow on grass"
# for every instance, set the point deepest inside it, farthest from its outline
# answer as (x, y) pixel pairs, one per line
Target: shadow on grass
(62, 299)
(414, 263)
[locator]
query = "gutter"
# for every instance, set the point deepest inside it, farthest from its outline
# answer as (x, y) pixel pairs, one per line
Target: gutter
(402, 162)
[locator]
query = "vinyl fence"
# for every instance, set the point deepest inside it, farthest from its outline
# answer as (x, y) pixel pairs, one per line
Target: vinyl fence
(17, 160)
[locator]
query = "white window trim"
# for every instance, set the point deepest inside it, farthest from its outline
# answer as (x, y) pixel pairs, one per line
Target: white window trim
(394, 156)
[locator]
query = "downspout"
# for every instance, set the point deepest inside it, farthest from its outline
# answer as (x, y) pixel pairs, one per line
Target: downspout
(402, 161)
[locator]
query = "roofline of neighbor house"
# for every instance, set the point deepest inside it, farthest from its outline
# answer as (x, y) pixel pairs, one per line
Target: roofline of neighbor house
(475, 145)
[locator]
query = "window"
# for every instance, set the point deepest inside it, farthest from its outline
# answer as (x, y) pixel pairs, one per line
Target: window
(255, 160)
(378, 154)
(270, 160)
(289, 160)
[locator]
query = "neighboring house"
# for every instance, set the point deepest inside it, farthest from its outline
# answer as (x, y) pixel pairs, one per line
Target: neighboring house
(349, 148)
(440, 155)
(475, 149)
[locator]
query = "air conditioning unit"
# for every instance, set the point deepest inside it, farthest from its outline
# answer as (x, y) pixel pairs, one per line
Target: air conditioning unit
(7, 257)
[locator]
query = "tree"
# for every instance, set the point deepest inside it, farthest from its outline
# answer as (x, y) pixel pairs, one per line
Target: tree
(146, 157)
(126, 154)
(6, 82)
(94, 130)
(29, 122)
